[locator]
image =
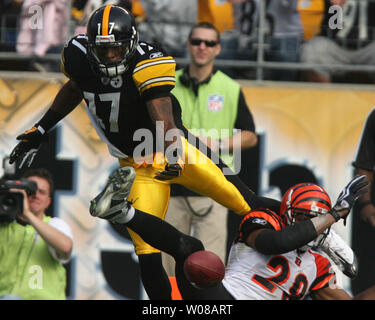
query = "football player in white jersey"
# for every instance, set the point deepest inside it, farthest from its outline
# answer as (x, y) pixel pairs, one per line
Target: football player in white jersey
(273, 257)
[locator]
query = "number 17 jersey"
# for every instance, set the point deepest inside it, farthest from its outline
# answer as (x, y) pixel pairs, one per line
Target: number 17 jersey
(117, 106)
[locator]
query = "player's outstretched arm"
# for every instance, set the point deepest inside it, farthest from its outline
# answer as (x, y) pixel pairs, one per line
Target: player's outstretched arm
(268, 241)
(65, 101)
(356, 188)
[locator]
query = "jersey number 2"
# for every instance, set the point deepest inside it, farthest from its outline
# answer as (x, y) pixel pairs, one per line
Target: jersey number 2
(280, 265)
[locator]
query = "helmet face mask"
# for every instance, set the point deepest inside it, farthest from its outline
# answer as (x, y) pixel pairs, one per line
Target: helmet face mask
(304, 201)
(112, 39)
(300, 214)
(109, 54)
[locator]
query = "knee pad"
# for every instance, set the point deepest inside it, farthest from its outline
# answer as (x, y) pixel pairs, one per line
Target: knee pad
(187, 246)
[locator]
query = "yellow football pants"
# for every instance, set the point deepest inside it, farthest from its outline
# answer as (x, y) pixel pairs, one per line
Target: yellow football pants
(200, 175)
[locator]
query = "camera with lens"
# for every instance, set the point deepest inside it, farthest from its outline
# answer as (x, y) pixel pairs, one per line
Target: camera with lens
(11, 202)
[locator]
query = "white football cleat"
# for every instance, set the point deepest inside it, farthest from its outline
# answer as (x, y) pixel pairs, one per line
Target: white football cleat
(340, 253)
(112, 203)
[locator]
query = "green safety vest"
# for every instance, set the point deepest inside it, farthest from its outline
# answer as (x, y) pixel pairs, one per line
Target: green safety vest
(27, 269)
(213, 112)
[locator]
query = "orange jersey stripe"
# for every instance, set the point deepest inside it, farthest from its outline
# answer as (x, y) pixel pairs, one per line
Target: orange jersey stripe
(105, 21)
(325, 273)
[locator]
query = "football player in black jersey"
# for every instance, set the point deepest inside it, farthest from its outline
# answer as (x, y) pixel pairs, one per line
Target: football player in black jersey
(126, 85)
(346, 36)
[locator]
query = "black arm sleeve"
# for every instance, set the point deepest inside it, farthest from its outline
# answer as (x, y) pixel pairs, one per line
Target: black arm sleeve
(287, 239)
(65, 101)
(50, 119)
(244, 120)
(365, 157)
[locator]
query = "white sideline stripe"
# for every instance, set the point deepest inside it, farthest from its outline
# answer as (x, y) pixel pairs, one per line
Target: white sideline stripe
(157, 80)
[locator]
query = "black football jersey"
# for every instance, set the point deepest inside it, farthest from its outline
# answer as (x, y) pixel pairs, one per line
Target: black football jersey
(365, 156)
(117, 106)
(353, 26)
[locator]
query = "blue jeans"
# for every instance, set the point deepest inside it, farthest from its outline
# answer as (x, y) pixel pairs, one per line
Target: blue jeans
(286, 49)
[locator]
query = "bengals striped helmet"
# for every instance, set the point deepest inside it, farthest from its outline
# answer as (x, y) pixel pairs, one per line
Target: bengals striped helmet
(304, 198)
(112, 40)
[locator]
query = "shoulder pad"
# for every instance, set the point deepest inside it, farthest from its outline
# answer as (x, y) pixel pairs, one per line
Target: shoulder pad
(267, 218)
(153, 71)
(74, 56)
(146, 51)
(258, 219)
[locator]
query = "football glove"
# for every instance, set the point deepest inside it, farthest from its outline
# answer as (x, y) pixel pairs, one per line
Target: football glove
(339, 251)
(348, 196)
(27, 148)
(171, 171)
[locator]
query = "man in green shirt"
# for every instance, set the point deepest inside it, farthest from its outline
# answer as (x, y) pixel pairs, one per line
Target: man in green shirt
(214, 109)
(34, 247)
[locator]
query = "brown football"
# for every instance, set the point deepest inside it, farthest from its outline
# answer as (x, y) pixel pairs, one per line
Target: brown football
(204, 269)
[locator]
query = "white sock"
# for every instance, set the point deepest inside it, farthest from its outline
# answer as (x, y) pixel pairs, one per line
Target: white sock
(124, 217)
(130, 215)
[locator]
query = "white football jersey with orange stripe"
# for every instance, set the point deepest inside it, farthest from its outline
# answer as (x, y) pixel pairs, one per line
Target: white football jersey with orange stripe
(251, 275)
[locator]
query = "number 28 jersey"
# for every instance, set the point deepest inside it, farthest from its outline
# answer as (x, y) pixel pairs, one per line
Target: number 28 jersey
(251, 275)
(117, 106)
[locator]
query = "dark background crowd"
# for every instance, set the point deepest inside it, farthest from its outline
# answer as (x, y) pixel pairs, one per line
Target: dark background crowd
(291, 40)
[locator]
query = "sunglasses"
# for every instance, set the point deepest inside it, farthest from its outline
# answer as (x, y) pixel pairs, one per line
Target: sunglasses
(208, 43)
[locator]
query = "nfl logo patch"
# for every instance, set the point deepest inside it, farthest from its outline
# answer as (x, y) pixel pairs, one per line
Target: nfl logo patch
(215, 103)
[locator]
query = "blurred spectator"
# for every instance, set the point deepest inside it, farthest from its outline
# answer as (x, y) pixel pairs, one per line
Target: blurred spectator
(363, 227)
(283, 36)
(217, 12)
(311, 12)
(138, 11)
(80, 13)
(81, 10)
(9, 14)
(43, 29)
(168, 23)
(346, 37)
(34, 246)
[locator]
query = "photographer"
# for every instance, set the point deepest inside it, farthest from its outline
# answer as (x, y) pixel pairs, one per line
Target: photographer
(34, 246)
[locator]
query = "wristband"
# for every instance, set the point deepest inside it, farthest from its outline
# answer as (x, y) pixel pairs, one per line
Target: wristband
(334, 213)
(40, 129)
(363, 204)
